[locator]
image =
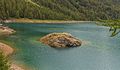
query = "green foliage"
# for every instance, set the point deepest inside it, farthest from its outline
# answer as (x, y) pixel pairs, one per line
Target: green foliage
(4, 65)
(60, 9)
(110, 23)
(113, 24)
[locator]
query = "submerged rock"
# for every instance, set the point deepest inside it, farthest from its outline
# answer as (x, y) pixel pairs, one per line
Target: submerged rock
(60, 40)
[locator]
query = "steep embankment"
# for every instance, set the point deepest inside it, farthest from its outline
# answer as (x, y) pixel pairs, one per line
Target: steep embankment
(60, 9)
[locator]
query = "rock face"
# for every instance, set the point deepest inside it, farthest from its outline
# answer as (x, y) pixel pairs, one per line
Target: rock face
(60, 40)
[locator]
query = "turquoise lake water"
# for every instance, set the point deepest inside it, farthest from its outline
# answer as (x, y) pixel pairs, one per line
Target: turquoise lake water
(102, 52)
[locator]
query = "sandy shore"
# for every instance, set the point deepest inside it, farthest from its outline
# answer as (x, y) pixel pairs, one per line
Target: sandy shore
(26, 20)
(7, 50)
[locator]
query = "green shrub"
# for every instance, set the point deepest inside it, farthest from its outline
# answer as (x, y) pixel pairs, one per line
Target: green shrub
(4, 64)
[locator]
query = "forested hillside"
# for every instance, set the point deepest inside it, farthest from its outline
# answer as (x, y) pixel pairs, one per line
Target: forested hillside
(60, 9)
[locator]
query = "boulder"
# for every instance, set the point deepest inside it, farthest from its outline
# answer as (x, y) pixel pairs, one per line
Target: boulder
(60, 40)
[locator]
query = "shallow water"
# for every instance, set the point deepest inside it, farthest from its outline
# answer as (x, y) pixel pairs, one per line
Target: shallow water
(100, 53)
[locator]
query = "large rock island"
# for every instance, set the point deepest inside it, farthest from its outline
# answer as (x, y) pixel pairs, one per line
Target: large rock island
(60, 40)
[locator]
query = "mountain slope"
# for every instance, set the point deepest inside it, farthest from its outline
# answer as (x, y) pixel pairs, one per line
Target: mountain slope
(60, 9)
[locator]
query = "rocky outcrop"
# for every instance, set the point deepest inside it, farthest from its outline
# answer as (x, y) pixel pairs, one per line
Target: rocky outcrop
(6, 30)
(60, 40)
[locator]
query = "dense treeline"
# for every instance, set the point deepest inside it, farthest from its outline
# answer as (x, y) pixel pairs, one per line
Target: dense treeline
(60, 9)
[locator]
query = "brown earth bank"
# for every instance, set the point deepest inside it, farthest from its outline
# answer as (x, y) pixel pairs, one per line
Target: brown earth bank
(7, 50)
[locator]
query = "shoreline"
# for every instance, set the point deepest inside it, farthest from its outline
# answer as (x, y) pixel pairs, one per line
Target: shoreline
(26, 20)
(7, 50)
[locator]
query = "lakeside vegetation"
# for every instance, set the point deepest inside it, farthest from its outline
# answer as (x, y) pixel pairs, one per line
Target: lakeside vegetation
(60, 10)
(113, 24)
(4, 64)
